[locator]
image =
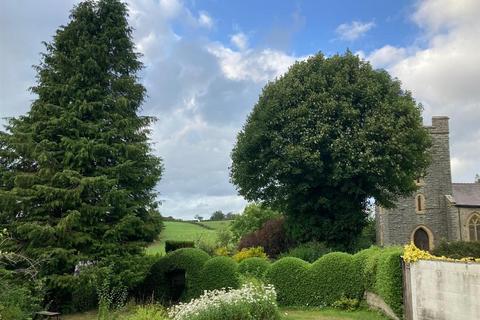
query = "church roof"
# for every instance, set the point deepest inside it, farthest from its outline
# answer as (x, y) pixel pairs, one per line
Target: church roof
(466, 194)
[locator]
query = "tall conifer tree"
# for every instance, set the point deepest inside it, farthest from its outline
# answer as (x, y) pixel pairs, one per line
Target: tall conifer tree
(77, 175)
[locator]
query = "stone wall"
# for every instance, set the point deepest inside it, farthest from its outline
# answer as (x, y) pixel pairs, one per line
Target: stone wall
(441, 290)
(395, 226)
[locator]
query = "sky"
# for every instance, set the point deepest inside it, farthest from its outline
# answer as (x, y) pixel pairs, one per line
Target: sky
(206, 62)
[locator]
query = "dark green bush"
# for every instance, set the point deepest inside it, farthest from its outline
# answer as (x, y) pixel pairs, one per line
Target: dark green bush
(288, 276)
(388, 283)
(310, 251)
(254, 267)
(172, 245)
(331, 278)
(19, 297)
(220, 272)
(458, 249)
(189, 260)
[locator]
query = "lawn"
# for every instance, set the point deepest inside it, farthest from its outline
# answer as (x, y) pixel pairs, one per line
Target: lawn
(176, 230)
(290, 314)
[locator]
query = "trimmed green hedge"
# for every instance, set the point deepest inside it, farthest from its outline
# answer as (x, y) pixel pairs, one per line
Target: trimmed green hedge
(458, 249)
(288, 276)
(220, 272)
(332, 277)
(254, 267)
(388, 282)
(191, 260)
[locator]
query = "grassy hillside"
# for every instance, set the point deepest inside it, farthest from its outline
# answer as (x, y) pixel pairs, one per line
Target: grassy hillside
(216, 224)
(176, 230)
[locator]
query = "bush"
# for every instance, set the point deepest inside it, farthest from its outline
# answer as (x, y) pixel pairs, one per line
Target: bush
(288, 276)
(346, 304)
(189, 260)
(252, 219)
(388, 282)
(18, 297)
(220, 272)
(271, 236)
(172, 245)
(366, 263)
(248, 302)
(254, 267)
(310, 251)
(334, 276)
(246, 253)
(458, 249)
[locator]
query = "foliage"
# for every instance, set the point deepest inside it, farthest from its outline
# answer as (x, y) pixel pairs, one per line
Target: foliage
(388, 284)
(149, 312)
(110, 298)
(218, 273)
(253, 218)
(310, 251)
(172, 245)
(366, 266)
(314, 146)
(347, 304)
(254, 267)
(246, 253)
(412, 253)
(458, 249)
(248, 302)
(19, 298)
(334, 276)
(191, 260)
(288, 276)
(77, 175)
(367, 237)
(217, 216)
(221, 251)
(271, 237)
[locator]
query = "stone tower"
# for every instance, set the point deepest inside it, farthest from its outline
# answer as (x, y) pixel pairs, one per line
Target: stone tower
(426, 216)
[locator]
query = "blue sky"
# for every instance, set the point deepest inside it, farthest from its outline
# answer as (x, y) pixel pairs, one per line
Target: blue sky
(206, 62)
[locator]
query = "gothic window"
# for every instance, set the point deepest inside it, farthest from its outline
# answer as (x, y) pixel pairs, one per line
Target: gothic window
(421, 239)
(474, 227)
(420, 203)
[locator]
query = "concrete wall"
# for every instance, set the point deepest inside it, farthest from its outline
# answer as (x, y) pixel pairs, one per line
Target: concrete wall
(441, 290)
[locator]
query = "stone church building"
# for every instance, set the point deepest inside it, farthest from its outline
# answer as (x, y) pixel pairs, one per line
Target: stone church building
(439, 209)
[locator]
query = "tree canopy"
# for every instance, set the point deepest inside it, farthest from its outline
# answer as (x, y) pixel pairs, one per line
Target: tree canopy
(323, 139)
(77, 174)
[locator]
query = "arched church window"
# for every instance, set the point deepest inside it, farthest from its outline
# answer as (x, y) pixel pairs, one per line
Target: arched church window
(474, 227)
(420, 203)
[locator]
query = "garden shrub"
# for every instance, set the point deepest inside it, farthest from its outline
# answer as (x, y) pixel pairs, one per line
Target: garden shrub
(388, 282)
(19, 298)
(272, 237)
(310, 251)
(172, 245)
(189, 260)
(365, 264)
(332, 277)
(246, 253)
(458, 249)
(220, 272)
(346, 304)
(254, 267)
(288, 276)
(248, 302)
(253, 217)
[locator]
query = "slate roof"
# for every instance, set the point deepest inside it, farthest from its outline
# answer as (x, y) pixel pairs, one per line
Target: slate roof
(466, 194)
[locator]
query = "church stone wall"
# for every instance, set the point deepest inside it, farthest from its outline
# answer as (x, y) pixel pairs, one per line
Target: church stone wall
(396, 225)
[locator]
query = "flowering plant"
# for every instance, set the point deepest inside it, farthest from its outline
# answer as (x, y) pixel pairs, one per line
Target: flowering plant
(412, 254)
(248, 302)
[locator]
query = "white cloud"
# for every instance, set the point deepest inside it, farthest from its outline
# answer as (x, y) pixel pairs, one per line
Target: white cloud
(444, 74)
(205, 20)
(240, 40)
(354, 30)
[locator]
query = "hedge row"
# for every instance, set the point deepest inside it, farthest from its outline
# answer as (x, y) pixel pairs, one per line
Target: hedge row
(334, 276)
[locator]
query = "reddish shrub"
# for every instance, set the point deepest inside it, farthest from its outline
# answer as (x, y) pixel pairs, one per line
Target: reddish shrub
(271, 236)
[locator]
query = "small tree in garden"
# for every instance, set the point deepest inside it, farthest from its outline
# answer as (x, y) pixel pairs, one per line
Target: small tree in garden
(253, 217)
(77, 175)
(323, 139)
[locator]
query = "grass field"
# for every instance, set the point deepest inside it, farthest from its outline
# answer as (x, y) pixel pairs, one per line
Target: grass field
(327, 314)
(180, 231)
(217, 225)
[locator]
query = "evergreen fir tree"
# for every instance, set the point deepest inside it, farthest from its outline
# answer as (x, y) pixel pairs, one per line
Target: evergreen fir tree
(77, 175)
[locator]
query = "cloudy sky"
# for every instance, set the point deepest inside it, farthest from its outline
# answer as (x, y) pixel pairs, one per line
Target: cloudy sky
(207, 61)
